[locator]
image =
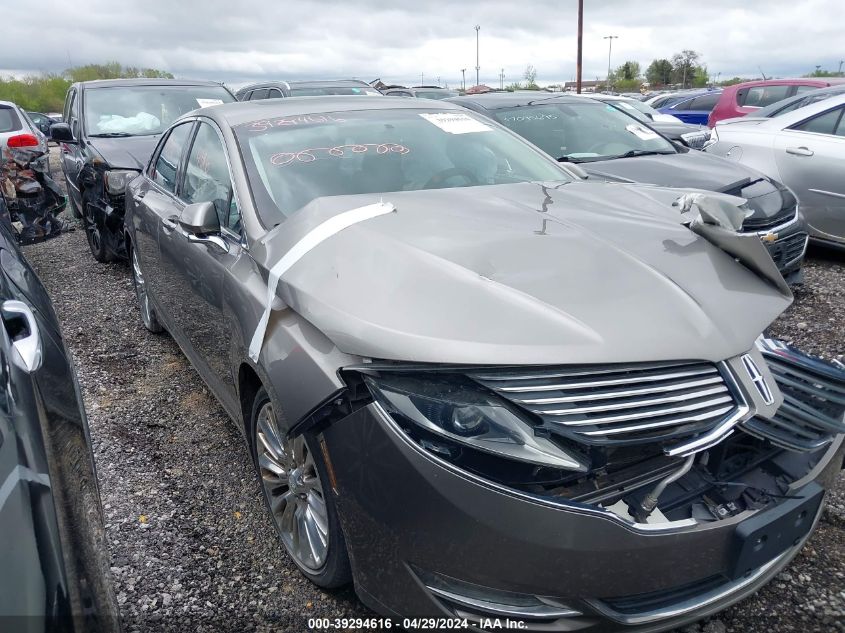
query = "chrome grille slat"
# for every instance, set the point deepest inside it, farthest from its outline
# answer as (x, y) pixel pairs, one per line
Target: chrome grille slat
(624, 394)
(620, 403)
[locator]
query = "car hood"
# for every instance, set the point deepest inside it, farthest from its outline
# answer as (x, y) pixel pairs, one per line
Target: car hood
(521, 274)
(698, 170)
(130, 152)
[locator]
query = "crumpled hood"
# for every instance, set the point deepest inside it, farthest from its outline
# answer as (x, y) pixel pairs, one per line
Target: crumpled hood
(698, 170)
(130, 152)
(522, 274)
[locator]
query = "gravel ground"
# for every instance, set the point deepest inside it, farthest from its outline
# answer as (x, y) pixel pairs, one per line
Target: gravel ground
(191, 545)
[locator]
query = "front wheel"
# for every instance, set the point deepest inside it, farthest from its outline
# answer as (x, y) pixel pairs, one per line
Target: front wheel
(94, 234)
(148, 314)
(294, 482)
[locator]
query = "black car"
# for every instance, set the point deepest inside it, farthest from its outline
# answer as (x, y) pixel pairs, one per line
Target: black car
(110, 130)
(53, 552)
(611, 145)
(281, 89)
(41, 121)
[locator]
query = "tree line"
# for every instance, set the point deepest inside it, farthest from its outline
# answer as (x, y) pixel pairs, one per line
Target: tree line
(46, 92)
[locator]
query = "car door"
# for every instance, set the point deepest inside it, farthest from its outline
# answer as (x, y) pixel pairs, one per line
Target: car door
(156, 209)
(198, 266)
(72, 154)
(811, 160)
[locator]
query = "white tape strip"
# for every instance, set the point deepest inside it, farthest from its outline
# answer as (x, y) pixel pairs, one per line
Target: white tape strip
(312, 238)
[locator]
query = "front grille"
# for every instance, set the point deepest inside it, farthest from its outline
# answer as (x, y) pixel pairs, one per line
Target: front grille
(813, 409)
(766, 223)
(787, 250)
(620, 404)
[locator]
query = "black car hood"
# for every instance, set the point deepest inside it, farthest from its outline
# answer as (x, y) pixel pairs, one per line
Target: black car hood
(698, 170)
(129, 152)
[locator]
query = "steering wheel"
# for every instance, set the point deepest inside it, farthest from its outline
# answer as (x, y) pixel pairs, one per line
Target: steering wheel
(444, 174)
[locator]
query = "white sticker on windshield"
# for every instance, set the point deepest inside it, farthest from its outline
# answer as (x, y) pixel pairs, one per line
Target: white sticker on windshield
(456, 122)
(642, 132)
(204, 103)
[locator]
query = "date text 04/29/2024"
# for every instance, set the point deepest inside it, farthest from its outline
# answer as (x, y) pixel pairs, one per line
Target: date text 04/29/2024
(426, 624)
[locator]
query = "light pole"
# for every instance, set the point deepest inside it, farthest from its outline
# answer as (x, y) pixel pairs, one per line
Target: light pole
(477, 66)
(502, 79)
(609, 39)
(580, 45)
(463, 78)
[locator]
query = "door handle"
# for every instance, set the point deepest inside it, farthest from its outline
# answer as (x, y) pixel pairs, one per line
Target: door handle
(799, 151)
(23, 330)
(169, 224)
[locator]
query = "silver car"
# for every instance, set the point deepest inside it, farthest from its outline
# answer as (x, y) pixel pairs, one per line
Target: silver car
(803, 149)
(18, 131)
(475, 385)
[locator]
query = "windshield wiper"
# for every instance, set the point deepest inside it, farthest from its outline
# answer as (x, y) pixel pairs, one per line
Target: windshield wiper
(641, 152)
(111, 135)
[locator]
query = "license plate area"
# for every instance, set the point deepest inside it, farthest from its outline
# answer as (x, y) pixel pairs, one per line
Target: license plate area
(763, 537)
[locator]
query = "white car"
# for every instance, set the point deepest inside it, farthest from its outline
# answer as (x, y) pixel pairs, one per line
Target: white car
(18, 131)
(805, 150)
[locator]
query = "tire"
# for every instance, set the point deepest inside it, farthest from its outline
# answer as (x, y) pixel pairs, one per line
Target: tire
(148, 313)
(94, 234)
(298, 498)
(74, 209)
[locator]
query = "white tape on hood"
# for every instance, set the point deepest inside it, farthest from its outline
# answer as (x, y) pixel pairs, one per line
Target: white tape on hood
(719, 209)
(314, 237)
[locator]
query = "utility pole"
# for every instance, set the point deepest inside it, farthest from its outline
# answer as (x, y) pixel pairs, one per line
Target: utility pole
(841, 61)
(463, 78)
(580, 46)
(477, 64)
(610, 39)
(502, 79)
(422, 79)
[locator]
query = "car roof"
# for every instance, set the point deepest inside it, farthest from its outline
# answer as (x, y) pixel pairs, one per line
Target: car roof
(106, 83)
(308, 83)
(498, 100)
(821, 81)
(247, 111)
(10, 104)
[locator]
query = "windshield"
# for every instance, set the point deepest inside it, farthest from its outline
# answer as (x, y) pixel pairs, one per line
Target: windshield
(144, 110)
(583, 132)
(332, 90)
(290, 161)
(436, 94)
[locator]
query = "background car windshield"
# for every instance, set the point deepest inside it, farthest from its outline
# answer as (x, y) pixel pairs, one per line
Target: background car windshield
(292, 160)
(142, 110)
(332, 90)
(436, 94)
(582, 132)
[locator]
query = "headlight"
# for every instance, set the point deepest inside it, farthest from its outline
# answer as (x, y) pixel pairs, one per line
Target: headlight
(468, 415)
(714, 138)
(117, 179)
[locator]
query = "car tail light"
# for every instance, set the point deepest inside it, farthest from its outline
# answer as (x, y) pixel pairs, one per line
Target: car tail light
(22, 140)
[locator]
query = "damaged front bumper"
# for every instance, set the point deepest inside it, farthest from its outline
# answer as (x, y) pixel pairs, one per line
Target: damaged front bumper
(428, 537)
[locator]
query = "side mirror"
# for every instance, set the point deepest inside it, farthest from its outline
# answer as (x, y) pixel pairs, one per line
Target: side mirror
(200, 223)
(60, 132)
(200, 218)
(650, 115)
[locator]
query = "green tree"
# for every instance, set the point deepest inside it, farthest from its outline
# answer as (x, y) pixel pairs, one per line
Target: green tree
(684, 65)
(818, 72)
(659, 72)
(629, 70)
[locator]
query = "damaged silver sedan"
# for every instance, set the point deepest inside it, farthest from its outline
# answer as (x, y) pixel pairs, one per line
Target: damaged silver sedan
(475, 384)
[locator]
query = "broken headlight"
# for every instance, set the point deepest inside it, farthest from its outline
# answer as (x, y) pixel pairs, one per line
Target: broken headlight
(468, 416)
(117, 179)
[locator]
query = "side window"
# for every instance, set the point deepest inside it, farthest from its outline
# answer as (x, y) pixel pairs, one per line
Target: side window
(71, 95)
(258, 93)
(802, 89)
(705, 102)
(207, 178)
(166, 167)
(683, 105)
(761, 96)
(72, 118)
(275, 93)
(823, 123)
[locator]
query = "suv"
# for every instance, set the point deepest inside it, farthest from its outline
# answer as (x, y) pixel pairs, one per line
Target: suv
(280, 89)
(741, 99)
(17, 131)
(111, 128)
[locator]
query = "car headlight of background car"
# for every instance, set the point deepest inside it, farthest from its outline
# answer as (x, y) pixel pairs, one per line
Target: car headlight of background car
(436, 408)
(117, 179)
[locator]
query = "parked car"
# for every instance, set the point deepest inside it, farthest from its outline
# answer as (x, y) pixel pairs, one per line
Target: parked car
(414, 317)
(18, 131)
(41, 121)
(614, 145)
(110, 128)
(804, 149)
(694, 108)
(693, 136)
(792, 103)
(53, 552)
(749, 96)
(664, 99)
(422, 92)
(280, 89)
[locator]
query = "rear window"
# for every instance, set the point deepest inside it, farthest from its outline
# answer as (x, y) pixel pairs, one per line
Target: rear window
(9, 121)
(761, 96)
(705, 102)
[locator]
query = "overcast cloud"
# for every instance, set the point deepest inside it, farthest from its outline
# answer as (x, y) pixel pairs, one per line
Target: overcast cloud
(241, 40)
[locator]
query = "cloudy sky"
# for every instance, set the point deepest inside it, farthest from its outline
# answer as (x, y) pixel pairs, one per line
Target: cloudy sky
(241, 40)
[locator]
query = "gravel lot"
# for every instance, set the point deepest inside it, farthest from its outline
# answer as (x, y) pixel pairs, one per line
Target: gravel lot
(191, 546)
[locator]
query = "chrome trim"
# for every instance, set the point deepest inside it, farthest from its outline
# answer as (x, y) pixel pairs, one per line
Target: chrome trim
(27, 348)
(678, 386)
(606, 383)
(218, 241)
(757, 379)
(654, 425)
(827, 193)
(646, 414)
(504, 610)
(779, 227)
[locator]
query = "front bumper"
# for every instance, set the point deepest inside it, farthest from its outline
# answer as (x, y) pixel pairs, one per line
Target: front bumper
(405, 511)
(787, 244)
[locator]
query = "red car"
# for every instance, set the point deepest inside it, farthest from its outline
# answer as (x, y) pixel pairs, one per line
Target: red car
(740, 99)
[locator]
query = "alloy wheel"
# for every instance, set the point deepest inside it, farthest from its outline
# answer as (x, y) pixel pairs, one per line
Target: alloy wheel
(294, 491)
(141, 290)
